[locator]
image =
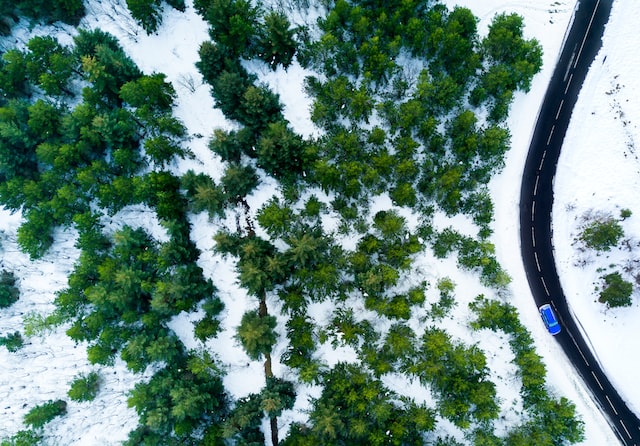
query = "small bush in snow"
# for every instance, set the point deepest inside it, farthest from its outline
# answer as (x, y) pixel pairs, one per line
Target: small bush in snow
(9, 293)
(625, 213)
(42, 414)
(602, 235)
(84, 387)
(616, 291)
(23, 438)
(13, 341)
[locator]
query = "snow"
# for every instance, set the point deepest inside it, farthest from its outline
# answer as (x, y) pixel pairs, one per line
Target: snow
(586, 181)
(43, 369)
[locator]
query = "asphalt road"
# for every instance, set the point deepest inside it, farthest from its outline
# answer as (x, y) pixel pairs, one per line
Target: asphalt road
(582, 43)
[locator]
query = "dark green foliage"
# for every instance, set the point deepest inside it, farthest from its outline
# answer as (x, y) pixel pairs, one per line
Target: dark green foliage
(505, 43)
(416, 157)
(243, 424)
(480, 255)
(228, 90)
(278, 395)
(68, 11)
(276, 40)
(602, 235)
(85, 387)
(350, 331)
(239, 181)
(9, 292)
(460, 375)
(464, 138)
(472, 254)
(23, 438)
(302, 345)
(399, 343)
(450, 441)
(42, 414)
(553, 421)
(135, 281)
(514, 63)
(233, 24)
(13, 341)
(150, 94)
(276, 218)
(453, 43)
(625, 213)
(142, 349)
(7, 20)
(369, 413)
(231, 145)
(13, 74)
(177, 4)
(177, 401)
(214, 59)
(161, 190)
(403, 195)
(281, 152)
(203, 194)
(447, 299)
(35, 234)
(56, 161)
(87, 42)
(49, 65)
(256, 334)
(209, 326)
(616, 291)
(148, 13)
(106, 66)
(57, 164)
(162, 149)
(259, 106)
(17, 141)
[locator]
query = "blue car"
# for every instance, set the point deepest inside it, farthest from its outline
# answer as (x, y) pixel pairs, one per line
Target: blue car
(549, 318)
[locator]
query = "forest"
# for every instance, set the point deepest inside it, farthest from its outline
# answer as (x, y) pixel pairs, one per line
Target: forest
(410, 102)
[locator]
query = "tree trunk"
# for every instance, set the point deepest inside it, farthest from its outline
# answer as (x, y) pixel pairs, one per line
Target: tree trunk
(262, 310)
(268, 372)
(267, 366)
(274, 431)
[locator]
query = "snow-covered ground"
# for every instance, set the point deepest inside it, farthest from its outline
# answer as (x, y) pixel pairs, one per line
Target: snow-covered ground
(42, 369)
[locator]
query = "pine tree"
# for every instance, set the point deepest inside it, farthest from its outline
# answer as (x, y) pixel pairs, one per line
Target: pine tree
(148, 13)
(256, 334)
(49, 65)
(42, 414)
(276, 40)
(9, 292)
(239, 181)
(281, 152)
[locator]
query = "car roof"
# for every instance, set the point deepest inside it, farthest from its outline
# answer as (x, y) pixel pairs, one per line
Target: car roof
(547, 310)
(550, 318)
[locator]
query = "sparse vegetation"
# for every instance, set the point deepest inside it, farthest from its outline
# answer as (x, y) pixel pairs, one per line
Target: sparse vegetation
(85, 387)
(616, 292)
(13, 341)
(23, 438)
(625, 213)
(602, 234)
(9, 292)
(44, 413)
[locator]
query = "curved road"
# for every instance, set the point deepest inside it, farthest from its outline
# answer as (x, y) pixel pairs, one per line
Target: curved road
(580, 48)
